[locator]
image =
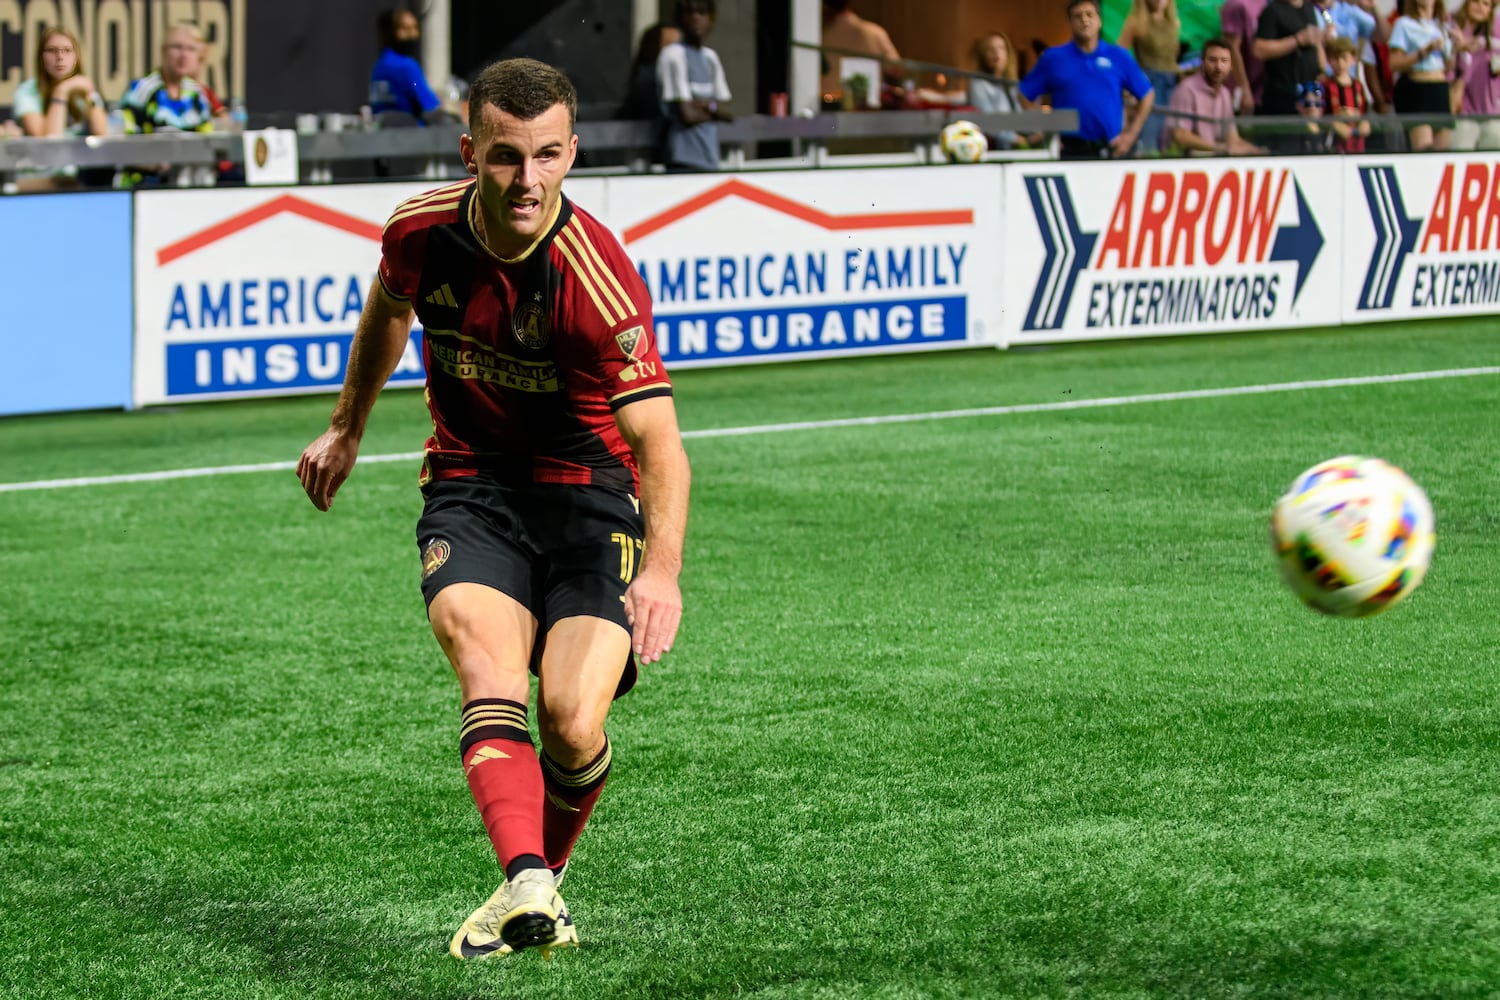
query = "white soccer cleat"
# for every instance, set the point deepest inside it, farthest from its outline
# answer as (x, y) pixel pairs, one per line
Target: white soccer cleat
(525, 912)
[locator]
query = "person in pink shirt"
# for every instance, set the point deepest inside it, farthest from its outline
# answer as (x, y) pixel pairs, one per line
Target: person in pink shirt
(1477, 76)
(1206, 95)
(1240, 19)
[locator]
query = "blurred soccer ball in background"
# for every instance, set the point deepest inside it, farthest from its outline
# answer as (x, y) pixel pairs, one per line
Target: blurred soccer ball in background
(1353, 536)
(963, 142)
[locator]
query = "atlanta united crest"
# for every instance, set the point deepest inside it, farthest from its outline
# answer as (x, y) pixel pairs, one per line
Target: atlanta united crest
(529, 324)
(434, 555)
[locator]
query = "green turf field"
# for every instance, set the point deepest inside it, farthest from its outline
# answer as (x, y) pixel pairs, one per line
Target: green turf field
(1007, 705)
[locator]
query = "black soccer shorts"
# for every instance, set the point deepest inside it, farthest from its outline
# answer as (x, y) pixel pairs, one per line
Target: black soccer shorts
(559, 550)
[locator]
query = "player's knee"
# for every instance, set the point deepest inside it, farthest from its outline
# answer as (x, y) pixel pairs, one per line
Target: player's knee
(571, 737)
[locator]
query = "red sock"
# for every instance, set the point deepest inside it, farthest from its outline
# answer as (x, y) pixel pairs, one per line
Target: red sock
(504, 777)
(570, 800)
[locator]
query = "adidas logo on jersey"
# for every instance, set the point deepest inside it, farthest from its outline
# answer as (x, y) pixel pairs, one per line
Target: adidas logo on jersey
(442, 297)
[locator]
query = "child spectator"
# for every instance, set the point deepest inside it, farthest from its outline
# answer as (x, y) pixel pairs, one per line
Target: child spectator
(1345, 99)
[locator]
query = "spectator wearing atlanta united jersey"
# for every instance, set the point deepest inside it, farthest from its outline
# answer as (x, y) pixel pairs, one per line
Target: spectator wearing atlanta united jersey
(555, 483)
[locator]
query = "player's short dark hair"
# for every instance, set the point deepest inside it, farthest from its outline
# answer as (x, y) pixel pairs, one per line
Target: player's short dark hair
(525, 88)
(1218, 42)
(1079, 3)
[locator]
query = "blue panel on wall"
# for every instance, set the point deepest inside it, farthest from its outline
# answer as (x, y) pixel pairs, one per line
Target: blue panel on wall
(65, 265)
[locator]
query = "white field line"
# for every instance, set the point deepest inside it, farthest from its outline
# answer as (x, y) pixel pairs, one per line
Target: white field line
(813, 425)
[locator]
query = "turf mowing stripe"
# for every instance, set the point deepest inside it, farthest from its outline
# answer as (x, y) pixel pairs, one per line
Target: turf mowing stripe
(810, 425)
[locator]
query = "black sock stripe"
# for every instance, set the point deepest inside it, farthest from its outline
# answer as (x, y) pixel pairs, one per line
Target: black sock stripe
(492, 719)
(482, 733)
(582, 779)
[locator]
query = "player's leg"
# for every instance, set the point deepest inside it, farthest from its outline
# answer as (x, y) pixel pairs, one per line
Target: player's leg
(476, 579)
(582, 663)
(585, 660)
(487, 637)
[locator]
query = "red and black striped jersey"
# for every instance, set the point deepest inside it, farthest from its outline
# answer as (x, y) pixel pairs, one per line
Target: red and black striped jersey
(527, 358)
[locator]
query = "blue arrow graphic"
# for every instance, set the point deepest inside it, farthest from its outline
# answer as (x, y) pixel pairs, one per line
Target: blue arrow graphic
(1300, 243)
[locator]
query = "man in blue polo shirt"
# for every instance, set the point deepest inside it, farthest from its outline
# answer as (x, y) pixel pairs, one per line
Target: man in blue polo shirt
(396, 81)
(1090, 76)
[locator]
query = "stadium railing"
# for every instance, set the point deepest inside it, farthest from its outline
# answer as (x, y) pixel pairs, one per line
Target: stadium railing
(328, 156)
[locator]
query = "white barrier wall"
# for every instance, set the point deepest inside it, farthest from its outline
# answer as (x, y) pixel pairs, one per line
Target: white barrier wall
(777, 266)
(253, 292)
(1103, 250)
(1421, 236)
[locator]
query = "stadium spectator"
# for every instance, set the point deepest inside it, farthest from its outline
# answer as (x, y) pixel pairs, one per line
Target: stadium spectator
(1206, 96)
(993, 54)
(1153, 33)
(169, 100)
(397, 86)
(60, 100)
(1345, 100)
(555, 501)
(1422, 56)
(1240, 20)
(694, 93)
(1289, 42)
(643, 92)
(10, 130)
(216, 107)
(1478, 79)
(844, 29)
(1090, 76)
(1361, 23)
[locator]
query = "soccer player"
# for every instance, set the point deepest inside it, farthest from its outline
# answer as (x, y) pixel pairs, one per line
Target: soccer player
(555, 481)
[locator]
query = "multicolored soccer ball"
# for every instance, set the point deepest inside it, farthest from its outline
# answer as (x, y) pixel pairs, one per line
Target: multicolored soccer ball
(963, 142)
(1353, 536)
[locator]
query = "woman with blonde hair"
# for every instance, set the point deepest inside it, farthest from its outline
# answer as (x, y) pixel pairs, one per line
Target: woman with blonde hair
(1153, 33)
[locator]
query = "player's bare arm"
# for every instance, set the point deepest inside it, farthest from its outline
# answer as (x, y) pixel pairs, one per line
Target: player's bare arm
(653, 602)
(379, 342)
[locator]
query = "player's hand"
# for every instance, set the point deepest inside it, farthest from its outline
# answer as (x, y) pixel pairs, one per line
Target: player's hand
(653, 607)
(325, 464)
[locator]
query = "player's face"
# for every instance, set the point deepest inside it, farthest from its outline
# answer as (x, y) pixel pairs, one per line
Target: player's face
(520, 165)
